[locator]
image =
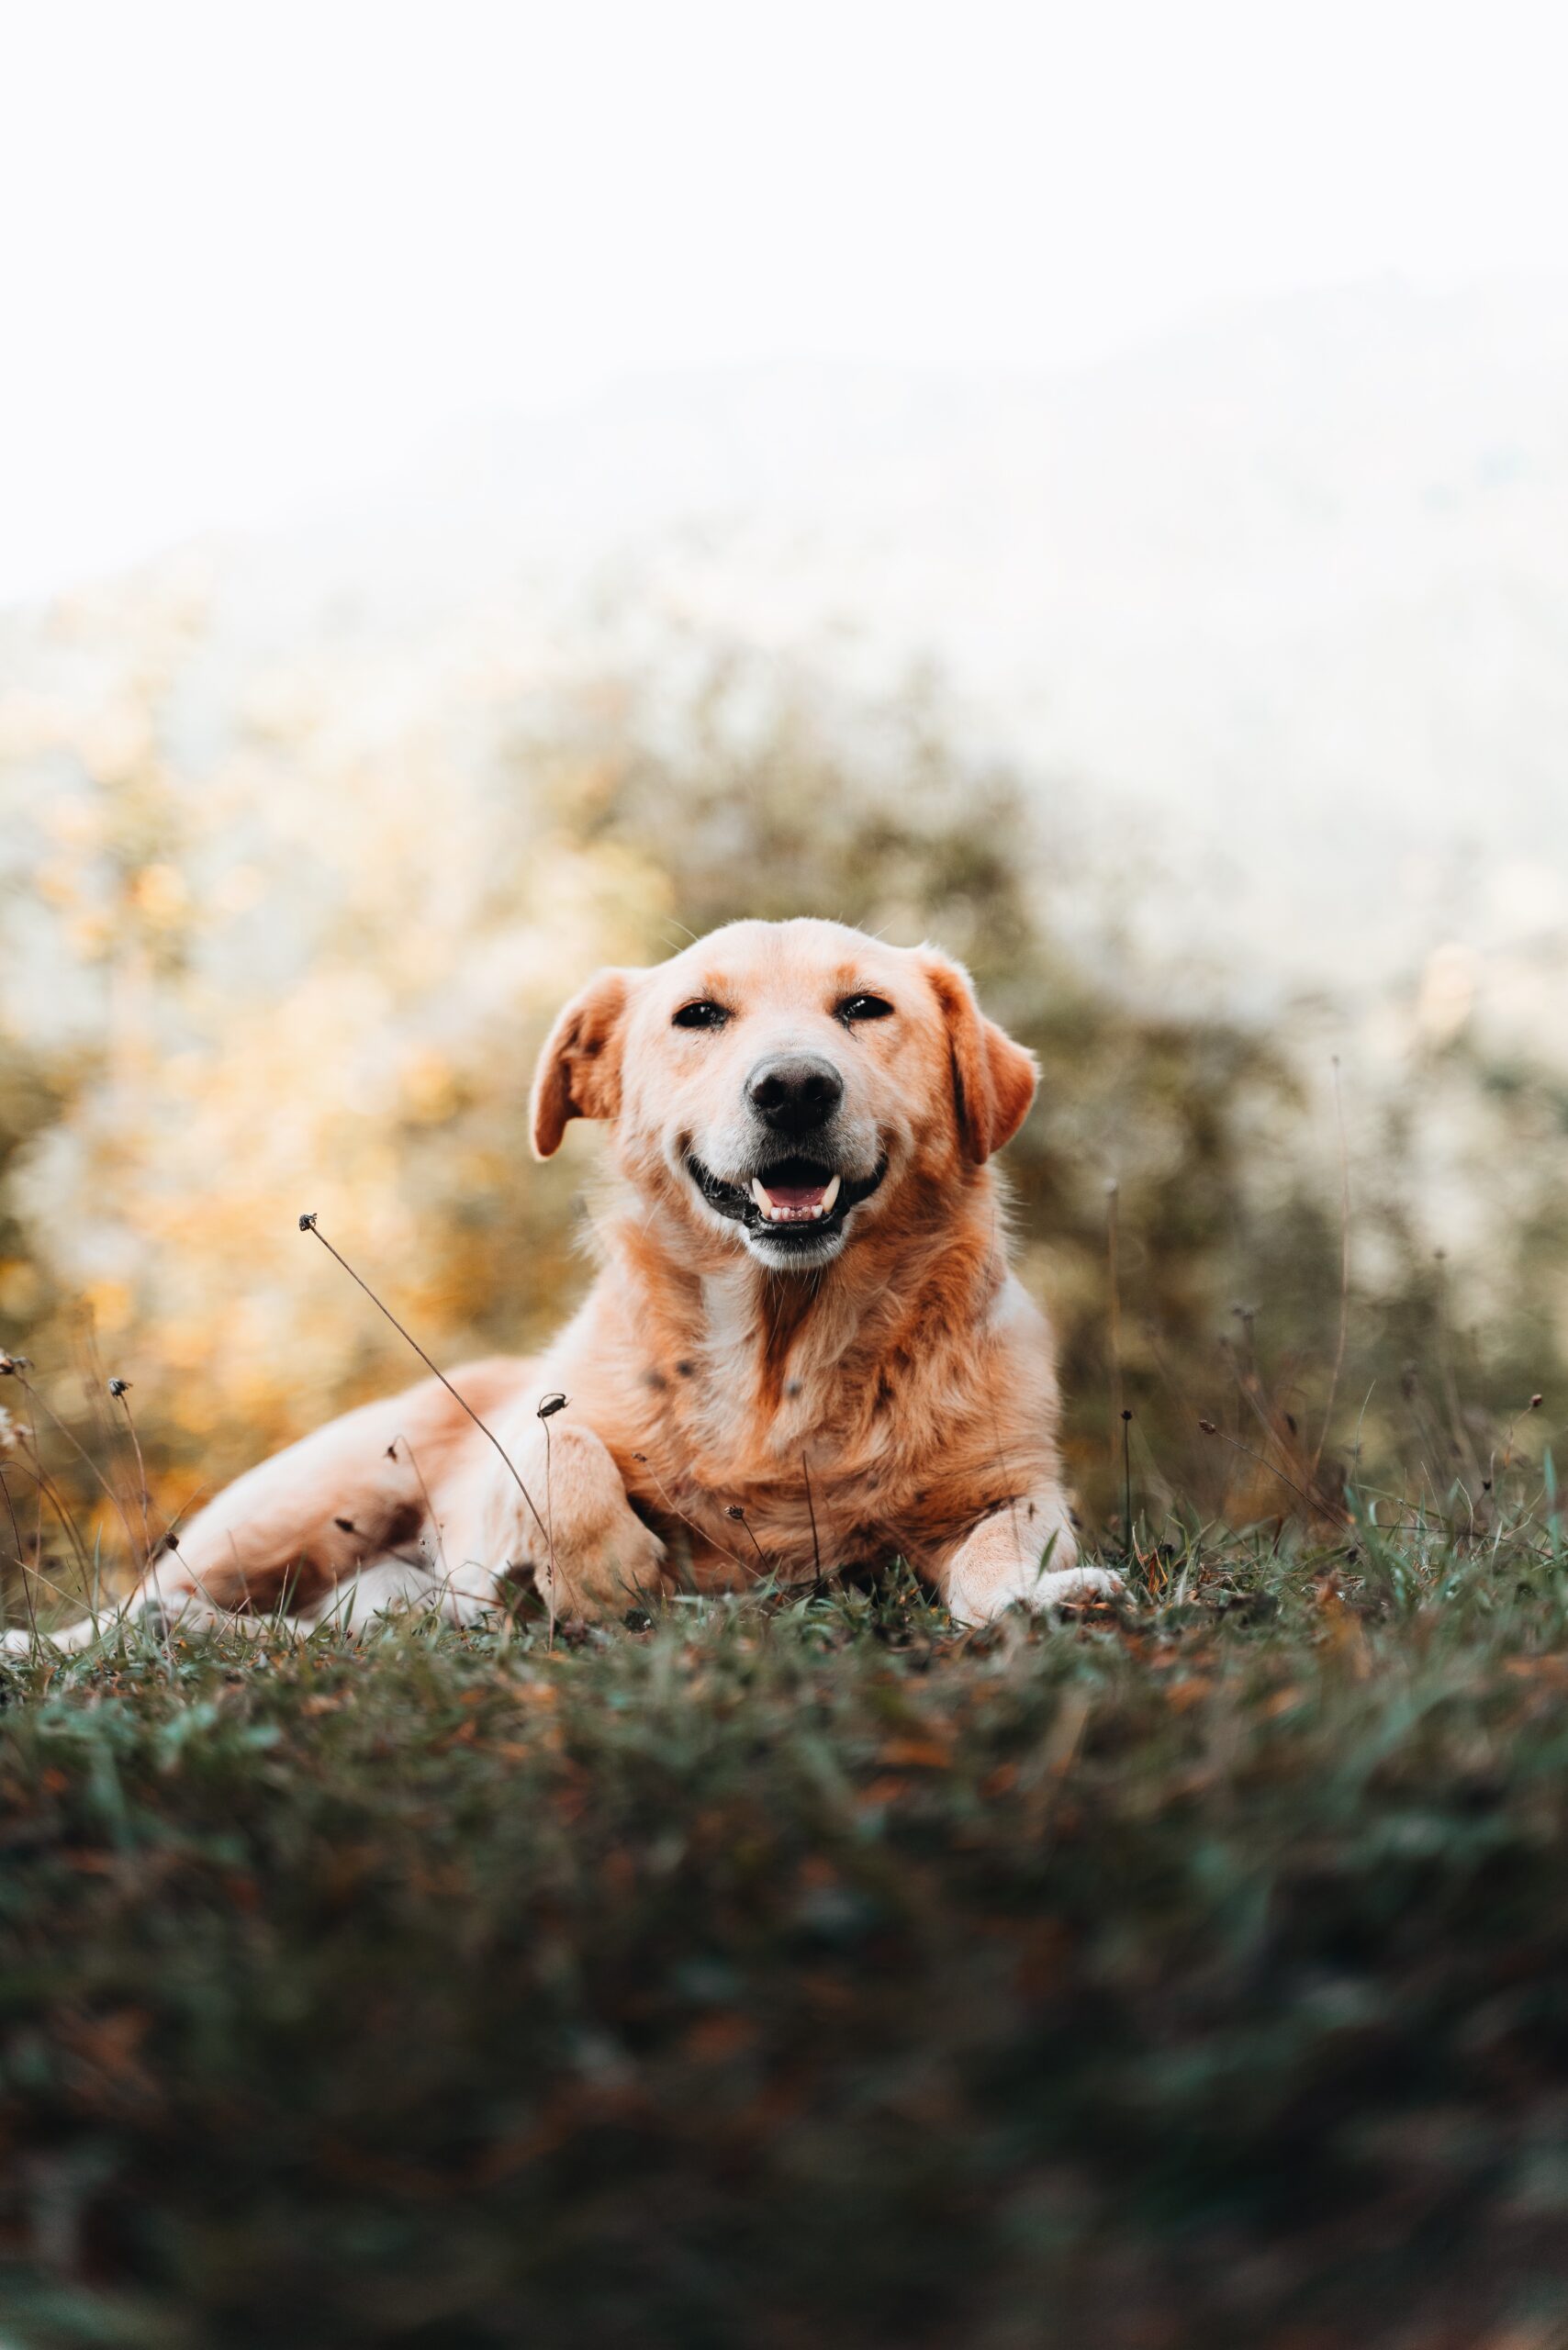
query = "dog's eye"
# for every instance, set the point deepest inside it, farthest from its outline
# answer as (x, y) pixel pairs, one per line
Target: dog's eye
(864, 1007)
(701, 1015)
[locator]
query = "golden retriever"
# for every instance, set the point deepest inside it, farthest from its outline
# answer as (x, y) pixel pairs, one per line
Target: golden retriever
(803, 1348)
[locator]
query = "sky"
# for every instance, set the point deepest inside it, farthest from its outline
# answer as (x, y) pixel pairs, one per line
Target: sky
(252, 255)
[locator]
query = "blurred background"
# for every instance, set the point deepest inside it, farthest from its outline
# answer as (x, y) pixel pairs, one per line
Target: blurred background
(485, 491)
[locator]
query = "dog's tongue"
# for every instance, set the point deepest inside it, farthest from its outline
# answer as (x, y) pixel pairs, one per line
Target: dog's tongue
(795, 1195)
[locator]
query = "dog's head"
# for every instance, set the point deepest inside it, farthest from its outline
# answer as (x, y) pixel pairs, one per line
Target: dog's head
(785, 1084)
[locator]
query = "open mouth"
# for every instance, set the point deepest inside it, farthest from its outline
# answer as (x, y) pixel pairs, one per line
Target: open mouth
(793, 1201)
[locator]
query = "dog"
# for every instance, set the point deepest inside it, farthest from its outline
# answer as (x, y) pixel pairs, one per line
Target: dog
(804, 1348)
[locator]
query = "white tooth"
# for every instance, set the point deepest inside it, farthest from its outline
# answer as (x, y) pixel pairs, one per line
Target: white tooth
(760, 1196)
(829, 1196)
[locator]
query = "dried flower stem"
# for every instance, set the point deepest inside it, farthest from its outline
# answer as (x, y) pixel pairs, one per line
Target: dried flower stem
(118, 1388)
(81, 1454)
(309, 1224)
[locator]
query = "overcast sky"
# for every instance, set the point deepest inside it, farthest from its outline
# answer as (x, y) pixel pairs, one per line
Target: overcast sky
(253, 253)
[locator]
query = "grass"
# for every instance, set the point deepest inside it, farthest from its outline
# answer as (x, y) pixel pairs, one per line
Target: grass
(787, 1975)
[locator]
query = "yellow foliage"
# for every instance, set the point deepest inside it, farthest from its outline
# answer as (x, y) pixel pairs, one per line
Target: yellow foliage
(160, 892)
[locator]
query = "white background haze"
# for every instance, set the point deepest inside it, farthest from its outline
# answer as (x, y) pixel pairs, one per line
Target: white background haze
(251, 253)
(1191, 385)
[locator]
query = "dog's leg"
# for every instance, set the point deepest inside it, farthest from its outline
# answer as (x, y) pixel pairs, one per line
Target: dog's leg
(164, 1598)
(282, 1538)
(1024, 1552)
(401, 1587)
(588, 1551)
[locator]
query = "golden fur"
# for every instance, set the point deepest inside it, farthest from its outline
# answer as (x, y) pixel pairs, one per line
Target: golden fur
(887, 1388)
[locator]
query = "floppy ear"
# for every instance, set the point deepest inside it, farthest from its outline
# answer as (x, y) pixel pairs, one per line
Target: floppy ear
(579, 1074)
(993, 1079)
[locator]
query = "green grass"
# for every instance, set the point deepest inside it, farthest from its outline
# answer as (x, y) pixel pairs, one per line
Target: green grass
(787, 1975)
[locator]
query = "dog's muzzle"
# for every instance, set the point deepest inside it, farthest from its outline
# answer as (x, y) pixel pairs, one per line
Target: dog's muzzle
(793, 1200)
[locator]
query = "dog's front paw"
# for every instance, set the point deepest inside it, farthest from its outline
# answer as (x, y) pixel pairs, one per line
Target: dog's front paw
(1071, 1584)
(999, 1567)
(621, 1568)
(570, 1526)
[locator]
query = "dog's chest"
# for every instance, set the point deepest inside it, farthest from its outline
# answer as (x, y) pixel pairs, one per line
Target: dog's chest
(807, 1473)
(803, 1426)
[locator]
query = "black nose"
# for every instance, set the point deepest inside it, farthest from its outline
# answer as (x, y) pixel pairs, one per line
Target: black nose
(795, 1092)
